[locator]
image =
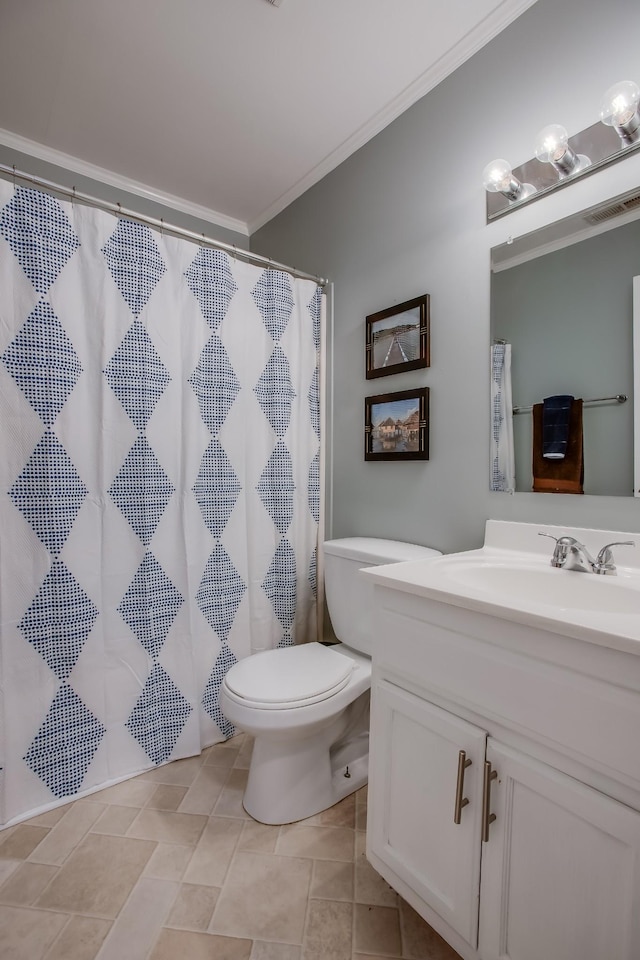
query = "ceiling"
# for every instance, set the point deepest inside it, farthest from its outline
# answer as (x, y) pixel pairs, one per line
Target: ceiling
(225, 109)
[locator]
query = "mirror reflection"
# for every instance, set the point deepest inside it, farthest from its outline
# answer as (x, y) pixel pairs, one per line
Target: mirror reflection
(563, 299)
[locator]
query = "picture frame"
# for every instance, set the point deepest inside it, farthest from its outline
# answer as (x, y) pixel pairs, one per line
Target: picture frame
(398, 338)
(396, 425)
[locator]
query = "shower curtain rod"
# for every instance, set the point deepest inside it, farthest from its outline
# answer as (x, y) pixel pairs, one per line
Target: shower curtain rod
(161, 225)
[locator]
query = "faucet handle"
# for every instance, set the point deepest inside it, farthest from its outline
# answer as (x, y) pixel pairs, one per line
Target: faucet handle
(561, 549)
(604, 561)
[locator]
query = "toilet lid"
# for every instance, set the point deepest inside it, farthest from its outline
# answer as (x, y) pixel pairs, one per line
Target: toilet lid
(291, 676)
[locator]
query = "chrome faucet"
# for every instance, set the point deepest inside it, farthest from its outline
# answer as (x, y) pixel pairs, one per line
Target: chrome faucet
(570, 554)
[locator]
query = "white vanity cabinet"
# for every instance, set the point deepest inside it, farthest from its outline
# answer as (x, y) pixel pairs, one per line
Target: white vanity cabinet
(561, 869)
(413, 763)
(557, 723)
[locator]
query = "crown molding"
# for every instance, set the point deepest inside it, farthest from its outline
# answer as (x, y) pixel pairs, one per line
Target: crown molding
(39, 150)
(473, 41)
(476, 38)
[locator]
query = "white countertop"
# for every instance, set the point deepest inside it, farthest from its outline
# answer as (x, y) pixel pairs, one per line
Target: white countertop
(511, 578)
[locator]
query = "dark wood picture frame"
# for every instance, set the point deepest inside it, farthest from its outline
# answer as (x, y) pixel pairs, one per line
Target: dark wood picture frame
(398, 338)
(396, 425)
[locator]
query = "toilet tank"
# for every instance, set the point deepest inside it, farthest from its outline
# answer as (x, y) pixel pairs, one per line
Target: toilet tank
(349, 595)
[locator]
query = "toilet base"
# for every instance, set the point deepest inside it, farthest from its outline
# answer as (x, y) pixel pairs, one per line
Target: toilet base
(294, 779)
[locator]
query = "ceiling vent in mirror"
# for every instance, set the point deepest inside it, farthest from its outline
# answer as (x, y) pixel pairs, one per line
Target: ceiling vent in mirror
(615, 210)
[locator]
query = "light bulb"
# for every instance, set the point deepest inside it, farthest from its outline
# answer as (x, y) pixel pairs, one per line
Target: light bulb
(497, 177)
(552, 146)
(619, 109)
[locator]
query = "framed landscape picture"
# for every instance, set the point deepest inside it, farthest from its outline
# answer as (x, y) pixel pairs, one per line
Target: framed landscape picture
(397, 339)
(396, 425)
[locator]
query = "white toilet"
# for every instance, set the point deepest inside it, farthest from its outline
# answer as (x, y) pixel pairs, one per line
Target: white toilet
(308, 706)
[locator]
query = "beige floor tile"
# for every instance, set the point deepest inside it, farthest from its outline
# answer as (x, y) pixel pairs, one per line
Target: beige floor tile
(140, 921)
(212, 856)
(98, 876)
(193, 907)
(222, 754)
(80, 940)
(203, 793)
(370, 887)
(25, 885)
(342, 814)
(244, 756)
(19, 842)
(258, 837)
(129, 793)
(244, 911)
(167, 796)
(371, 956)
(332, 880)
(316, 842)
(67, 833)
(229, 803)
(27, 934)
(165, 826)
(115, 820)
(361, 818)
(7, 867)
(174, 944)
(275, 951)
(419, 940)
(377, 930)
(50, 818)
(168, 861)
(181, 772)
(328, 932)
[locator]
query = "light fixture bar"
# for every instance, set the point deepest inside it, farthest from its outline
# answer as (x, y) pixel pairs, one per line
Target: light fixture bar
(560, 159)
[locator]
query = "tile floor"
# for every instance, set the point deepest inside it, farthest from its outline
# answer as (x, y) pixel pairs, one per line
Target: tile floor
(168, 866)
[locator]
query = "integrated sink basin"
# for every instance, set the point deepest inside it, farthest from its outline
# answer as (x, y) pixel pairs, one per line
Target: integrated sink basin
(538, 584)
(511, 577)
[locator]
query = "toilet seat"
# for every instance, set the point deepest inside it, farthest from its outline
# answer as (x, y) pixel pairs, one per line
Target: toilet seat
(288, 677)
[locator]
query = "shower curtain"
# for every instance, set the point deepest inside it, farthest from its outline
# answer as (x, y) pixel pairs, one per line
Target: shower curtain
(159, 490)
(502, 460)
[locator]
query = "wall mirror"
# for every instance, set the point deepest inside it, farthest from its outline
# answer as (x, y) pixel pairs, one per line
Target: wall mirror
(563, 297)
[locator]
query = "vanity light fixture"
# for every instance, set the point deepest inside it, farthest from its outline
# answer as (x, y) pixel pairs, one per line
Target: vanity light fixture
(498, 178)
(561, 159)
(552, 146)
(619, 109)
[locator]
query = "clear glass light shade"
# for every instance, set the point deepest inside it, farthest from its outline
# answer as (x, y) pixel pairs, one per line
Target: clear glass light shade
(497, 176)
(551, 143)
(620, 103)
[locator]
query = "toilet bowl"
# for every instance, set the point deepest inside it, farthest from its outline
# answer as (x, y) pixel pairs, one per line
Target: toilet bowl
(307, 706)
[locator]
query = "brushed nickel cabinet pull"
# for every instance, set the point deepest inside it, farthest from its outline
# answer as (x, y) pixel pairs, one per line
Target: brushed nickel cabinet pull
(487, 818)
(461, 802)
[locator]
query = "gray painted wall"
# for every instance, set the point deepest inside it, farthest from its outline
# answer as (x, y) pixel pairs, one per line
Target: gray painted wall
(103, 191)
(568, 317)
(405, 215)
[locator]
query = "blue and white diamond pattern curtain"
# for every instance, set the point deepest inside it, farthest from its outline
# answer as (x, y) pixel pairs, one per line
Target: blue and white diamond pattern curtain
(502, 464)
(159, 490)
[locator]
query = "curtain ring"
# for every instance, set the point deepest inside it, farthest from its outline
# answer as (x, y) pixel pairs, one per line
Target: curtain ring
(119, 206)
(161, 227)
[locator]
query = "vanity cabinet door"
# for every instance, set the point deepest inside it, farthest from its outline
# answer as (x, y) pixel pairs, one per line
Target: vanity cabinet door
(561, 868)
(413, 774)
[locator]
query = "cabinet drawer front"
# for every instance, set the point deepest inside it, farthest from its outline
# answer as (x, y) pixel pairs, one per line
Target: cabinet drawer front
(591, 720)
(561, 870)
(413, 778)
